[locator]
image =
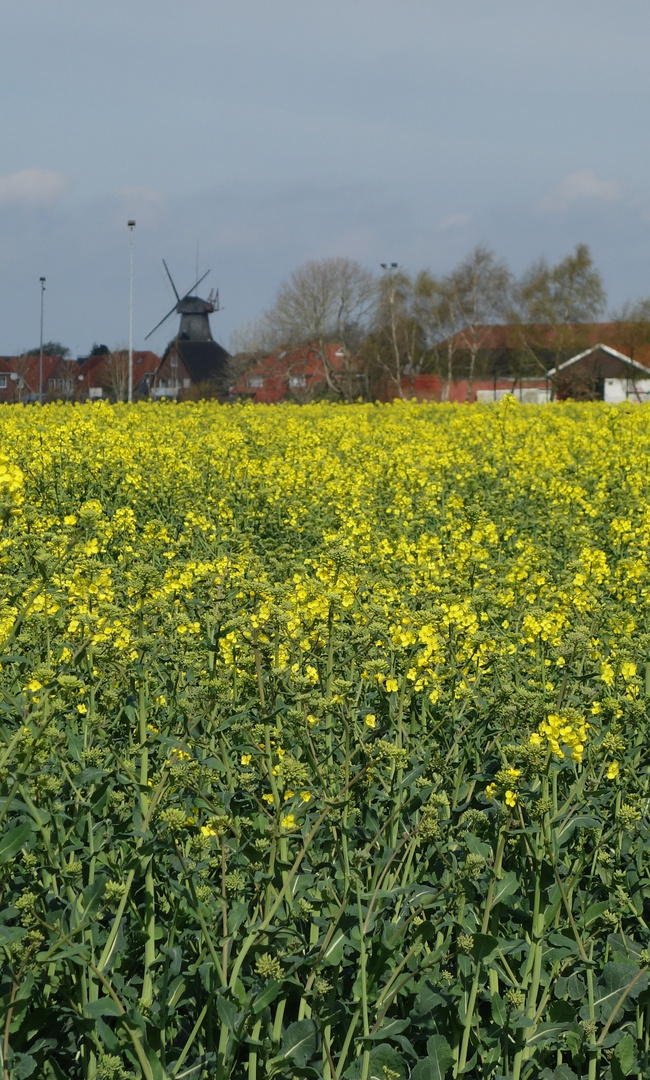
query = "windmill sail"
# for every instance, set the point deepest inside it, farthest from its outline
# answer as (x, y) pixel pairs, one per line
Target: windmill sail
(195, 324)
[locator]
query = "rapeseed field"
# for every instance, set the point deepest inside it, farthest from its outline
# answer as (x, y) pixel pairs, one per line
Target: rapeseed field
(324, 742)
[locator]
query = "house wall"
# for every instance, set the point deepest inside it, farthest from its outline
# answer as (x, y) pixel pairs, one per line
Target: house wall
(171, 378)
(433, 388)
(617, 390)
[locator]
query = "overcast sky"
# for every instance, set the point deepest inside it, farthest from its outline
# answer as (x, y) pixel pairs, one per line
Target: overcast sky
(268, 132)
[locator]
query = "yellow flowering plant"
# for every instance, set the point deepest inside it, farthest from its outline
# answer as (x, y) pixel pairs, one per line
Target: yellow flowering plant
(324, 741)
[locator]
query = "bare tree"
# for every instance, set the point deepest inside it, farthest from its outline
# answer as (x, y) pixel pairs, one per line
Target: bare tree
(67, 371)
(116, 374)
(326, 301)
(570, 292)
(478, 294)
(632, 326)
(22, 368)
(397, 348)
(240, 363)
(251, 338)
(438, 315)
(554, 305)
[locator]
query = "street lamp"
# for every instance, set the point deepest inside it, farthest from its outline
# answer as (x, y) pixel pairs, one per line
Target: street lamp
(388, 266)
(40, 351)
(131, 226)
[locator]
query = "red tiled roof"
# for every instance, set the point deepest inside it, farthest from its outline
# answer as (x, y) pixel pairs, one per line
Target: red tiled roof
(617, 335)
(27, 368)
(277, 369)
(93, 369)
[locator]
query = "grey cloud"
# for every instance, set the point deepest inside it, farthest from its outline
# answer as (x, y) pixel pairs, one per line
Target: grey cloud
(32, 187)
(582, 188)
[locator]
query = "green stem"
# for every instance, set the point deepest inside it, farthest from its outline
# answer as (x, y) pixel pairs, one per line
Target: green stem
(471, 1004)
(365, 1067)
(149, 898)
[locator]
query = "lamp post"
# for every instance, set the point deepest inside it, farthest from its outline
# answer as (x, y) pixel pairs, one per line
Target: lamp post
(131, 226)
(40, 351)
(389, 269)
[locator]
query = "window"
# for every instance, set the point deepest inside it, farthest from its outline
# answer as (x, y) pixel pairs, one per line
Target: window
(3, 382)
(297, 381)
(255, 382)
(186, 384)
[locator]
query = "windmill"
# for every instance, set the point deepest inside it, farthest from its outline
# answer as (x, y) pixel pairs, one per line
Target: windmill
(193, 356)
(194, 312)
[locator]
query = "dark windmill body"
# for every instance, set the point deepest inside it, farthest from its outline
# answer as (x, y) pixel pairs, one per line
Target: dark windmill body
(193, 357)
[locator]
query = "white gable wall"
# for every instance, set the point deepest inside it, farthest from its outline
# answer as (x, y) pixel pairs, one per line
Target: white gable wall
(617, 390)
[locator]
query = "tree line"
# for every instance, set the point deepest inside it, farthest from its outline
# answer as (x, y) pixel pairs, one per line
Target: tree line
(394, 326)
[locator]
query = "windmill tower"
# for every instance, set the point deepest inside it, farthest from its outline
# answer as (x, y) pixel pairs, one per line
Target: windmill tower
(193, 356)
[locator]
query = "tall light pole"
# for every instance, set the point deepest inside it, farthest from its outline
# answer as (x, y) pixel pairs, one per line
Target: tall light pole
(389, 270)
(131, 225)
(40, 351)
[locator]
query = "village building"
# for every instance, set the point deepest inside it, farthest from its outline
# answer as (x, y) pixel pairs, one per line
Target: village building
(292, 374)
(601, 374)
(187, 367)
(106, 375)
(599, 361)
(19, 376)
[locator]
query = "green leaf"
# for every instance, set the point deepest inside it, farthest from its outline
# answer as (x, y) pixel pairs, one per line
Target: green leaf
(441, 1056)
(385, 1057)
(574, 1039)
(439, 1060)
(381, 1058)
(477, 847)
(88, 776)
(268, 994)
(615, 979)
(92, 895)
(562, 1011)
(12, 841)
(334, 952)
(547, 1033)
(299, 1042)
(626, 1054)
(24, 1066)
(484, 944)
(505, 887)
(583, 821)
(228, 1014)
(499, 1012)
(103, 1007)
(390, 1029)
(595, 911)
